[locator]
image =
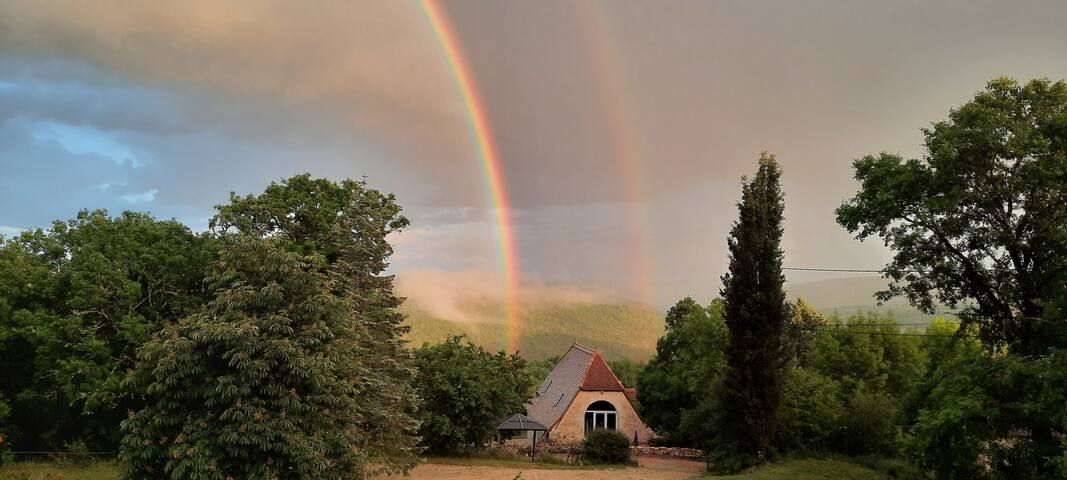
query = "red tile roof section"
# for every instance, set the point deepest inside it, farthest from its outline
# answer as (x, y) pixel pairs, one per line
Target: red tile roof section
(599, 377)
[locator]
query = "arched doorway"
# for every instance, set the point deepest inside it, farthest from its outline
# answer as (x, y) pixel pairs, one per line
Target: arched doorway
(601, 414)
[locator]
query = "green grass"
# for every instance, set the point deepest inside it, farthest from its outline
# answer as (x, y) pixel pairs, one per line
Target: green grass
(59, 471)
(807, 470)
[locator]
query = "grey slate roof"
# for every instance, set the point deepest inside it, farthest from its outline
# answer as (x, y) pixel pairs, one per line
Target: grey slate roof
(556, 392)
(521, 422)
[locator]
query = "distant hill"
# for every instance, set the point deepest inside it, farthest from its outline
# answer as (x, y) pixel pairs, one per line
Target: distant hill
(554, 316)
(618, 330)
(846, 296)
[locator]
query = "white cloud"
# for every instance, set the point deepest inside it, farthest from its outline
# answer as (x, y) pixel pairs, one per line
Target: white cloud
(142, 197)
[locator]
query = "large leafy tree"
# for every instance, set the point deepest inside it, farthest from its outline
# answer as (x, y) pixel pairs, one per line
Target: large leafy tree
(465, 392)
(756, 313)
(296, 369)
(348, 224)
(978, 223)
(76, 301)
(689, 361)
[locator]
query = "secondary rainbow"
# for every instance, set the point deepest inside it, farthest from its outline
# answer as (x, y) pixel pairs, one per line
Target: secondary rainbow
(610, 69)
(489, 157)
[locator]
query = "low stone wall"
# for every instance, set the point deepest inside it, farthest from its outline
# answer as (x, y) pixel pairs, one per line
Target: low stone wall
(667, 451)
(640, 450)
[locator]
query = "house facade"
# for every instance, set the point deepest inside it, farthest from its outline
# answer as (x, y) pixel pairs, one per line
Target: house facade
(581, 394)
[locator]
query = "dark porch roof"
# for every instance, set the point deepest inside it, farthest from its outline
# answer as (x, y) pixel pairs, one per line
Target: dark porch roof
(521, 422)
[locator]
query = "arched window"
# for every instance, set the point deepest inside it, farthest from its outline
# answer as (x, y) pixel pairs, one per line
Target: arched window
(600, 414)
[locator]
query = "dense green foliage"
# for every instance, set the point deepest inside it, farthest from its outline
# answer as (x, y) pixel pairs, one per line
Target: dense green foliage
(979, 225)
(994, 408)
(76, 301)
(801, 331)
(295, 369)
(811, 404)
(868, 353)
(979, 222)
(690, 360)
(606, 446)
(465, 392)
(845, 394)
(756, 314)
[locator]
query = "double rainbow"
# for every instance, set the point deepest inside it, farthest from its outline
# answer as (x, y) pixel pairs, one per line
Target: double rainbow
(490, 161)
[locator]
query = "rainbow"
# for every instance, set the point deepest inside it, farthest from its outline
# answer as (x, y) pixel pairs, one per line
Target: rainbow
(608, 65)
(491, 166)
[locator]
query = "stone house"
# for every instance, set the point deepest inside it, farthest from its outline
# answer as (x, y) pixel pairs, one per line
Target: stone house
(581, 394)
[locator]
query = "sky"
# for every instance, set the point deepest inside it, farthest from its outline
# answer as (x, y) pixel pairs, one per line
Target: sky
(623, 127)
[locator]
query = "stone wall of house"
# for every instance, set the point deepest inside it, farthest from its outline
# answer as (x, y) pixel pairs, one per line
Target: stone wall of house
(571, 427)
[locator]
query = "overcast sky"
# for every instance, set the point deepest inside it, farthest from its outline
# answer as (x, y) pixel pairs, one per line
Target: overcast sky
(624, 127)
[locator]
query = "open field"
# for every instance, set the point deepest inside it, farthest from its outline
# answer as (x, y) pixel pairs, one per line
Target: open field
(651, 468)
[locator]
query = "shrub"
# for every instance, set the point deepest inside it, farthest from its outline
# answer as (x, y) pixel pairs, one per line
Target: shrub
(607, 446)
(808, 415)
(868, 425)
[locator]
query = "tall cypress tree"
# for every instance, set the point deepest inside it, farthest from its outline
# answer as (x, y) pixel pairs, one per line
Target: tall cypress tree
(756, 313)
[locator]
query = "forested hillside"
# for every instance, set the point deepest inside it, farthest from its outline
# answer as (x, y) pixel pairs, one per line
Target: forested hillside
(846, 296)
(619, 330)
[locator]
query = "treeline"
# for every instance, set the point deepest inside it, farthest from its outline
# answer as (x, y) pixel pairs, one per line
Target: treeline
(848, 383)
(978, 226)
(268, 346)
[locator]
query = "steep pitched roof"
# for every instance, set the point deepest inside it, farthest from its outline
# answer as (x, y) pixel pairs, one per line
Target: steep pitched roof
(560, 387)
(599, 376)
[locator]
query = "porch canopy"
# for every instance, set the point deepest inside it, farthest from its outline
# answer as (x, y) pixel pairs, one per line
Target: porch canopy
(521, 422)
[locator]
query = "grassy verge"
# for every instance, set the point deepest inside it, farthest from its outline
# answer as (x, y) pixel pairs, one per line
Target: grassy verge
(59, 471)
(807, 470)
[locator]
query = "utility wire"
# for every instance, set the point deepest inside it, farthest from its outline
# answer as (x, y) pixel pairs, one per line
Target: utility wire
(814, 269)
(889, 334)
(874, 270)
(847, 325)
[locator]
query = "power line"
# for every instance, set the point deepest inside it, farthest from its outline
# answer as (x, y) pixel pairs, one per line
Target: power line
(878, 270)
(848, 325)
(889, 334)
(846, 270)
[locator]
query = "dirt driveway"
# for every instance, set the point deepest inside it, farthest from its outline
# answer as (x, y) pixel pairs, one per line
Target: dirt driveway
(652, 468)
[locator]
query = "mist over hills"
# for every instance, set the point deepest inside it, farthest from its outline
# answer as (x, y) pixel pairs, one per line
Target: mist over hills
(553, 316)
(440, 304)
(846, 296)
